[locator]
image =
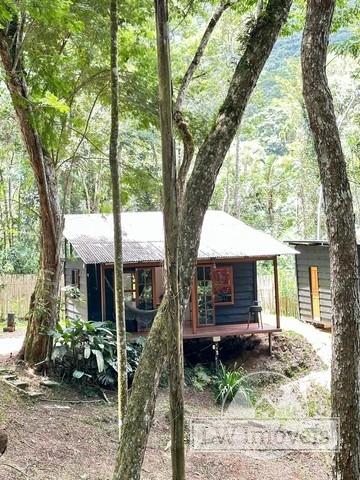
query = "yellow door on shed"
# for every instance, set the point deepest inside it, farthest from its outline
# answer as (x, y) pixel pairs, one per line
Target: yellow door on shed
(315, 293)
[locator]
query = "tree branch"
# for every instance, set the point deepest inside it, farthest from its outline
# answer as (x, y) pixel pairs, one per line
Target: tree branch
(179, 119)
(199, 53)
(83, 136)
(212, 152)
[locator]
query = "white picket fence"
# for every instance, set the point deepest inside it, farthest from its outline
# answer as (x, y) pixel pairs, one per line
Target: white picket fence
(15, 293)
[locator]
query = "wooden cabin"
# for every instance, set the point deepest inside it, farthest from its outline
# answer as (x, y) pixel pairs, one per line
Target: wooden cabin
(313, 281)
(224, 288)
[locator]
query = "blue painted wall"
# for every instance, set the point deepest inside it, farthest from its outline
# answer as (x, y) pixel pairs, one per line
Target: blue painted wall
(245, 292)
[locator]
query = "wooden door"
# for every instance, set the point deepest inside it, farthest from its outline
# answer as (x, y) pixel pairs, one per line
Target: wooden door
(315, 293)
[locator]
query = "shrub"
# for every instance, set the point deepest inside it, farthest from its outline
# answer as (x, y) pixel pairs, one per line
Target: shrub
(199, 377)
(229, 383)
(86, 350)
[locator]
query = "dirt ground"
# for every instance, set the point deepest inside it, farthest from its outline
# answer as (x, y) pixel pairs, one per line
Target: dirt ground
(10, 343)
(52, 439)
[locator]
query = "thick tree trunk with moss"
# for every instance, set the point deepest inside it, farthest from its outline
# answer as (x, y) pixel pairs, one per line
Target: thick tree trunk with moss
(195, 200)
(116, 203)
(340, 223)
(43, 312)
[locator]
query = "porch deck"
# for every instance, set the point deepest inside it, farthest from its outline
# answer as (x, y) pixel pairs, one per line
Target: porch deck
(209, 331)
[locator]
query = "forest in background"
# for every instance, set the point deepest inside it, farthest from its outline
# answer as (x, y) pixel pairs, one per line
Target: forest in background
(269, 179)
(56, 69)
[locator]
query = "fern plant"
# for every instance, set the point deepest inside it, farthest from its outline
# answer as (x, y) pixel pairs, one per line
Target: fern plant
(199, 377)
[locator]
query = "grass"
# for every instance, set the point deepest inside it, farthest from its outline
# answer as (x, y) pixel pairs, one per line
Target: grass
(318, 401)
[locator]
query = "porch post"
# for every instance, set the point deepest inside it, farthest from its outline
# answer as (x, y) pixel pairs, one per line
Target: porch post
(194, 306)
(102, 292)
(277, 297)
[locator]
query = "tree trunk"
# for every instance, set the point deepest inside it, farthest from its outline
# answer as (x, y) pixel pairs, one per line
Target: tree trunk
(237, 179)
(43, 312)
(116, 203)
(141, 405)
(196, 199)
(174, 324)
(340, 224)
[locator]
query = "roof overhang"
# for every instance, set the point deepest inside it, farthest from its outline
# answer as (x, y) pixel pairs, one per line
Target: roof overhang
(223, 238)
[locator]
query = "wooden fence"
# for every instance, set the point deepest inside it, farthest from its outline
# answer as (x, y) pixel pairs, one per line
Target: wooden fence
(15, 293)
(287, 291)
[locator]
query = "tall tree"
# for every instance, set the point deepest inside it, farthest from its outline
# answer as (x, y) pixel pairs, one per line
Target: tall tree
(340, 223)
(195, 200)
(116, 203)
(171, 211)
(43, 308)
(52, 66)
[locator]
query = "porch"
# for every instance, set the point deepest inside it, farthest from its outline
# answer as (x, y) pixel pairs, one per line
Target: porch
(220, 299)
(217, 332)
(239, 329)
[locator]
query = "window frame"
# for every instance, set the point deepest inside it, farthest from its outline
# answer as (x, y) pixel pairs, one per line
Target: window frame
(152, 286)
(199, 324)
(134, 289)
(231, 276)
(75, 278)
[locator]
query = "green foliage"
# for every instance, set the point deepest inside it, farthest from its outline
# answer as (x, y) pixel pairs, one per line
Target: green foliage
(133, 351)
(20, 258)
(274, 182)
(50, 100)
(86, 349)
(229, 383)
(199, 377)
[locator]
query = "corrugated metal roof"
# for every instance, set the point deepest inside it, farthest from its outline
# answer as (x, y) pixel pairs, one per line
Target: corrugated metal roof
(223, 236)
(321, 243)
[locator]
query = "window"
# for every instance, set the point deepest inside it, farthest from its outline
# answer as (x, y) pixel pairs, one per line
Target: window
(75, 278)
(145, 288)
(222, 284)
(204, 296)
(129, 279)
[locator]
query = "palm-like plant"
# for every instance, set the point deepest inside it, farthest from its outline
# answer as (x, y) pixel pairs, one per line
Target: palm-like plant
(229, 383)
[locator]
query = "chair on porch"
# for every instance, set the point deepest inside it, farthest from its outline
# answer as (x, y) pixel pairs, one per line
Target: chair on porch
(255, 314)
(143, 318)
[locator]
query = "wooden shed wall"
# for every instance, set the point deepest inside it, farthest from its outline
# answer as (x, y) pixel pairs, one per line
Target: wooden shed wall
(244, 295)
(313, 255)
(76, 308)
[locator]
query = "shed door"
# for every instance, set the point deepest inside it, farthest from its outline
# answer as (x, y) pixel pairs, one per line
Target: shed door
(314, 293)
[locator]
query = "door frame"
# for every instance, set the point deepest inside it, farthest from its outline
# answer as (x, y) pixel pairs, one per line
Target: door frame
(212, 298)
